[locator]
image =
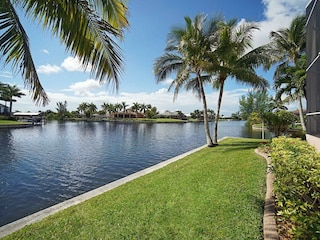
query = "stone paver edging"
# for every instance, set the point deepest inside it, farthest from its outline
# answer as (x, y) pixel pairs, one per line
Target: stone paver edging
(269, 223)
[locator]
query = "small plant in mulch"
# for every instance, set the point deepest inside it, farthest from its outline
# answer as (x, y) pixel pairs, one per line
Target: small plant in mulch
(265, 147)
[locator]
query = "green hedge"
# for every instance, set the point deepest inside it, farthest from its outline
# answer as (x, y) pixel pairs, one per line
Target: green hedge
(296, 167)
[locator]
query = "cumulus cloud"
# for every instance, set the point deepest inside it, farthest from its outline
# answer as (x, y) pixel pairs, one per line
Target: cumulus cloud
(72, 64)
(84, 88)
(278, 14)
(48, 69)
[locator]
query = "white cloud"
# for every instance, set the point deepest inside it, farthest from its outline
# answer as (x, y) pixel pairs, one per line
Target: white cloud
(6, 74)
(48, 69)
(163, 100)
(278, 14)
(72, 64)
(167, 81)
(84, 88)
(45, 51)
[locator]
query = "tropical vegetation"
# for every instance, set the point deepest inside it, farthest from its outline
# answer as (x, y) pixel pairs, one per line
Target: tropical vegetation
(184, 55)
(88, 29)
(230, 58)
(210, 51)
(188, 199)
(287, 48)
(296, 167)
(8, 93)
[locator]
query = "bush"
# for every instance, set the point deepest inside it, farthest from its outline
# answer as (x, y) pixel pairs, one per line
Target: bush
(296, 167)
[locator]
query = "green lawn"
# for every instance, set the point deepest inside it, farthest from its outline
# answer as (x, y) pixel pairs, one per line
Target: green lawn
(215, 193)
(10, 122)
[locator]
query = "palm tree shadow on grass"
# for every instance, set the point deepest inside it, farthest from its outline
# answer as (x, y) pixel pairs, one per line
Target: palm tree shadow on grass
(235, 146)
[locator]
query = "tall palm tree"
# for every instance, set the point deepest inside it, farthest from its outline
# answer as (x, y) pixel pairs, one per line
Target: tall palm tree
(82, 108)
(230, 59)
(9, 92)
(135, 106)
(86, 28)
(61, 109)
(92, 108)
(286, 47)
(185, 53)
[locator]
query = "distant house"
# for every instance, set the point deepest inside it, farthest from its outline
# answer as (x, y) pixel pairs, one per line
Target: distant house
(34, 117)
(168, 114)
(313, 73)
(127, 114)
(4, 110)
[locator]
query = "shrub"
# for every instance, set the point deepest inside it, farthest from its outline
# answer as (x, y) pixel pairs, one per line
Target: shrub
(296, 167)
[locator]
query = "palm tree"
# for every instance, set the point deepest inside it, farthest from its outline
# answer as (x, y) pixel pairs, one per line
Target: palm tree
(92, 108)
(61, 109)
(143, 108)
(230, 59)
(117, 107)
(185, 53)
(135, 107)
(82, 108)
(286, 47)
(86, 28)
(9, 92)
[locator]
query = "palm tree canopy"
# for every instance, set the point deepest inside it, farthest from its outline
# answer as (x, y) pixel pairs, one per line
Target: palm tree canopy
(186, 53)
(229, 57)
(10, 92)
(290, 80)
(288, 44)
(86, 28)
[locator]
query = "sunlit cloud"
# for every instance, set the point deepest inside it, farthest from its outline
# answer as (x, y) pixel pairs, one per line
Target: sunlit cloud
(278, 14)
(84, 88)
(72, 64)
(48, 69)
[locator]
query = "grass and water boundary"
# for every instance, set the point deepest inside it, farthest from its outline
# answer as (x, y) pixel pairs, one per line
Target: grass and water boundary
(215, 193)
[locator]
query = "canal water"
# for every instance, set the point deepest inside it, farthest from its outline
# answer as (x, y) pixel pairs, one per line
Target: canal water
(44, 165)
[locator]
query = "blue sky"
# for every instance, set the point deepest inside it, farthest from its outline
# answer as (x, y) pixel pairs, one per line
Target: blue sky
(150, 22)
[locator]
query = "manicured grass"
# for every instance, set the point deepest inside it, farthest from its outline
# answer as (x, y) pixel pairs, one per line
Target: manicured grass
(215, 193)
(10, 122)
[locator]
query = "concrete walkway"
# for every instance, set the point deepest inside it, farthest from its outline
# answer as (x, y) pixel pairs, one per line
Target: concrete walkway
(269, 225)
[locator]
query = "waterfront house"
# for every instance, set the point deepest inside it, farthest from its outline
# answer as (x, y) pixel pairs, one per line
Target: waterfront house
(4, 110)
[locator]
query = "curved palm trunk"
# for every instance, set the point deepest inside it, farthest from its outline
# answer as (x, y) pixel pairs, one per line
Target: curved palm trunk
(303, 125)
(215, 141)
(205, 114)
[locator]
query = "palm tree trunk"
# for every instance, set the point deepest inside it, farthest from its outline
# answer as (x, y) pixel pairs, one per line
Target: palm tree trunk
(10, 108)
(215, 141)
(205, 114)
(262, 130)
(303, 125)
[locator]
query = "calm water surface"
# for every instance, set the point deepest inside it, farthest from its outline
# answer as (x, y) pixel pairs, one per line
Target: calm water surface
(45, 165)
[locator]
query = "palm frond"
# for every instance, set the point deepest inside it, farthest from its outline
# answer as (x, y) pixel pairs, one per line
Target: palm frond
(14, 46)
(86, 34)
